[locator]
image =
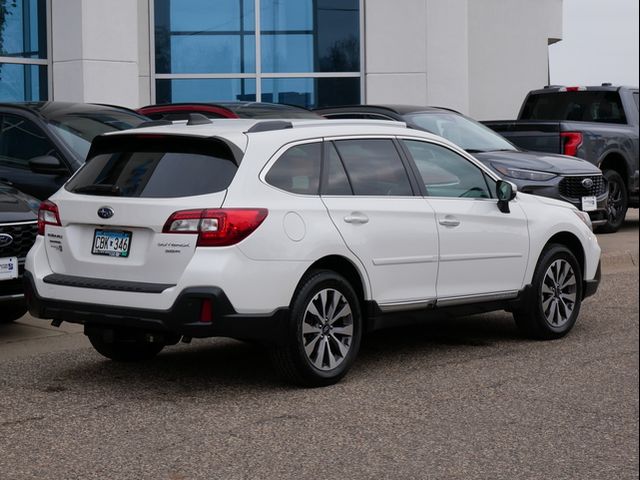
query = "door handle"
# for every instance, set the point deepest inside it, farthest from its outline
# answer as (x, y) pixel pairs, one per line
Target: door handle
(449, 221)
(356, 218)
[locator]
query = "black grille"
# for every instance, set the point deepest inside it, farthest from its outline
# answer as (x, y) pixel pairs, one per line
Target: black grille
(23, 237)
(573, 187)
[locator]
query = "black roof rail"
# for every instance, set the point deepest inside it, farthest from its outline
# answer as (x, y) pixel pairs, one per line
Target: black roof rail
(154, 123)
(552, 86)
(269, 125)
(607, 84)
(198, 119)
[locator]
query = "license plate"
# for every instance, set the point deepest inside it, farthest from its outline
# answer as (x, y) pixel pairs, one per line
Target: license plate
(589, 204)
(8, 268)
(111, 243)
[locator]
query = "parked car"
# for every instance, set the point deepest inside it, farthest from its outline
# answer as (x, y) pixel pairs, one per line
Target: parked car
(301, 235)
(263, 110)
(555, 176)
(43, 143)
(598, 124)
(18, 228)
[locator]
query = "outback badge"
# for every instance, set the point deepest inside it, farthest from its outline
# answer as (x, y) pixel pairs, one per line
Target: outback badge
(105, 212)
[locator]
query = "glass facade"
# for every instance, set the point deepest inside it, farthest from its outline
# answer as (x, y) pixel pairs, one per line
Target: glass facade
(304, 52)
(23, 50)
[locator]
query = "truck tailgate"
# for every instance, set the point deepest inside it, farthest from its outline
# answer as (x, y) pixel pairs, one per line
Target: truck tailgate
(539, 136)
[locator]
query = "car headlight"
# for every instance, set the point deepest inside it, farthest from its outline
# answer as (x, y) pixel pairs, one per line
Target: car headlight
(522, 174)
(584, 216)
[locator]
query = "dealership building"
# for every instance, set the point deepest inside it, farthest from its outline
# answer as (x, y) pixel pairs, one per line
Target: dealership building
(477, 56)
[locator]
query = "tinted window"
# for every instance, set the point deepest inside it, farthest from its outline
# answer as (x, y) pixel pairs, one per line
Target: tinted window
(311, 92)
(447, 174)
(298, 170)
(374, 167)
(21, 140)
(337, 181)
(635, 98)
(584, 106)
(155, 168)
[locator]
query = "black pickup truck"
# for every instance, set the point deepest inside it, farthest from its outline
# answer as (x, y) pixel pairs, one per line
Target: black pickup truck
(598, 124)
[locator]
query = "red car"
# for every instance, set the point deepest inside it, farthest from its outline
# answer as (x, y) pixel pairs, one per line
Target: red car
(181, 111)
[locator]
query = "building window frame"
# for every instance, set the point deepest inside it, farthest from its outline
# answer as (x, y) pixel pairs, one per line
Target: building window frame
(44, 62)
(258, 75)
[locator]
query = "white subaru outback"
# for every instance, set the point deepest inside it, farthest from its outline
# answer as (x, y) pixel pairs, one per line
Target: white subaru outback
(303, 235)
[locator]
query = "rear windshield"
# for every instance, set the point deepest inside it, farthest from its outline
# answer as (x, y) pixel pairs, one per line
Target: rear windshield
(581, 106)
(151, 166)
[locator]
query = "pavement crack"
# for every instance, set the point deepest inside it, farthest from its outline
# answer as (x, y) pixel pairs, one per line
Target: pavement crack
(9, 423)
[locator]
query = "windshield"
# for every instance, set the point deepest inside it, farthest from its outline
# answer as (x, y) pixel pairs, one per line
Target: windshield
(78, 130)
(462, 131)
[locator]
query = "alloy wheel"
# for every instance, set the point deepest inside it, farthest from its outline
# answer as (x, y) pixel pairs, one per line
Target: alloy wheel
(558, 293)
(327, 329)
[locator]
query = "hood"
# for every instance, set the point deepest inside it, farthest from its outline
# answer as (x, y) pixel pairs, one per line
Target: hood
(545, 162)
(16, 206)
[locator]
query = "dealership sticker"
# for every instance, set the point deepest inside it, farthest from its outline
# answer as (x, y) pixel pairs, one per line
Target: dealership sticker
(8, 268)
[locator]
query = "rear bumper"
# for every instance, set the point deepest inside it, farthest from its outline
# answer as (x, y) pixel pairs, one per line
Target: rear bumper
(181, 319)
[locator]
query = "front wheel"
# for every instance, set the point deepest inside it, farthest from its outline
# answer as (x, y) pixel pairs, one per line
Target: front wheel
(125, 350)
(551, 306)
(324, 331)
(617, 202)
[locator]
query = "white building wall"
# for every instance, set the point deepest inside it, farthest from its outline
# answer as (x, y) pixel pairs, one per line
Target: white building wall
(477, 56)
(94, 51)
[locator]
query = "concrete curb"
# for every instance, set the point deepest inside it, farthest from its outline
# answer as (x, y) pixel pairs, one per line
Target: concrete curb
(617, 261)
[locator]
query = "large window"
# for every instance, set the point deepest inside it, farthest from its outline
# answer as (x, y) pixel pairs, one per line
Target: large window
(299, 52)
(23, 50)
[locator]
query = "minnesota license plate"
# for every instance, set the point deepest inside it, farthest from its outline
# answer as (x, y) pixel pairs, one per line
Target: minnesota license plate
(111, 243)
(589, 204)
(8, 268)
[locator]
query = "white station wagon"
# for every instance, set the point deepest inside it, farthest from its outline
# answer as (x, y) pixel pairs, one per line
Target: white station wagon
(302, 235)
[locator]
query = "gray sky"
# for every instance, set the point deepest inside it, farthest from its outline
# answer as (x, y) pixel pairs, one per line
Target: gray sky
(600, 43)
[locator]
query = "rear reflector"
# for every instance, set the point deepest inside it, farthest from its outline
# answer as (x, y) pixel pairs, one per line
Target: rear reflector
(570, 142)
(47, 215)
(206, 310)
(216, 227)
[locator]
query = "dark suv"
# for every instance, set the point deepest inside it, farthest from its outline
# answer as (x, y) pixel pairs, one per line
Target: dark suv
(18, 229)
(43, 143)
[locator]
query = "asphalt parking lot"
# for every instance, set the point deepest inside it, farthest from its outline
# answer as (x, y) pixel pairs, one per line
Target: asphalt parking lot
(458, 399)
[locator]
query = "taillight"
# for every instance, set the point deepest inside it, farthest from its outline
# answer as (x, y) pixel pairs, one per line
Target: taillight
(216, 227)
(47, 215)
(570, 142)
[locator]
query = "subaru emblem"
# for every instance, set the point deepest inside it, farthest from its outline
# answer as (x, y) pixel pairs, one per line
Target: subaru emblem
(5, 240)
(587, 183)
(105, 212)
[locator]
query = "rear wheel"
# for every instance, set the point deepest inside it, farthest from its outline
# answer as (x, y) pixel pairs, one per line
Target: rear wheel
(10, 312)
(125, 350)
(324, 331)
(617, 203)
(552, 305)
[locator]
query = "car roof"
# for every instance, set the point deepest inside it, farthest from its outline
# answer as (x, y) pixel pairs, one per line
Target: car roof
(53, 109)
(237, 131)
(234, 109)
(397, 109)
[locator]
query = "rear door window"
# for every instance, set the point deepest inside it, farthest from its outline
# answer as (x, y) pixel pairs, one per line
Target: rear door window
(22, 140)
(155, 167)
(374, 167)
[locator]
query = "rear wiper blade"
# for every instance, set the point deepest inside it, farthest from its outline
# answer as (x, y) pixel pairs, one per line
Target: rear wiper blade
(100, 189)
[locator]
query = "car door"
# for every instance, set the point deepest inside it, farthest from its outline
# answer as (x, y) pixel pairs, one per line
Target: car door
(483, 252)
(372, 203)
(20, 141)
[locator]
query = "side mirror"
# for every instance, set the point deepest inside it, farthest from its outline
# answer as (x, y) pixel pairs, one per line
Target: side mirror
(505, 191)
(47, 164)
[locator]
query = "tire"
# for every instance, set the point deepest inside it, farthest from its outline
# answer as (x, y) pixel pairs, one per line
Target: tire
(324, 331)
(617, 203)
(551, 306)
(123, 350)
(12, 312)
